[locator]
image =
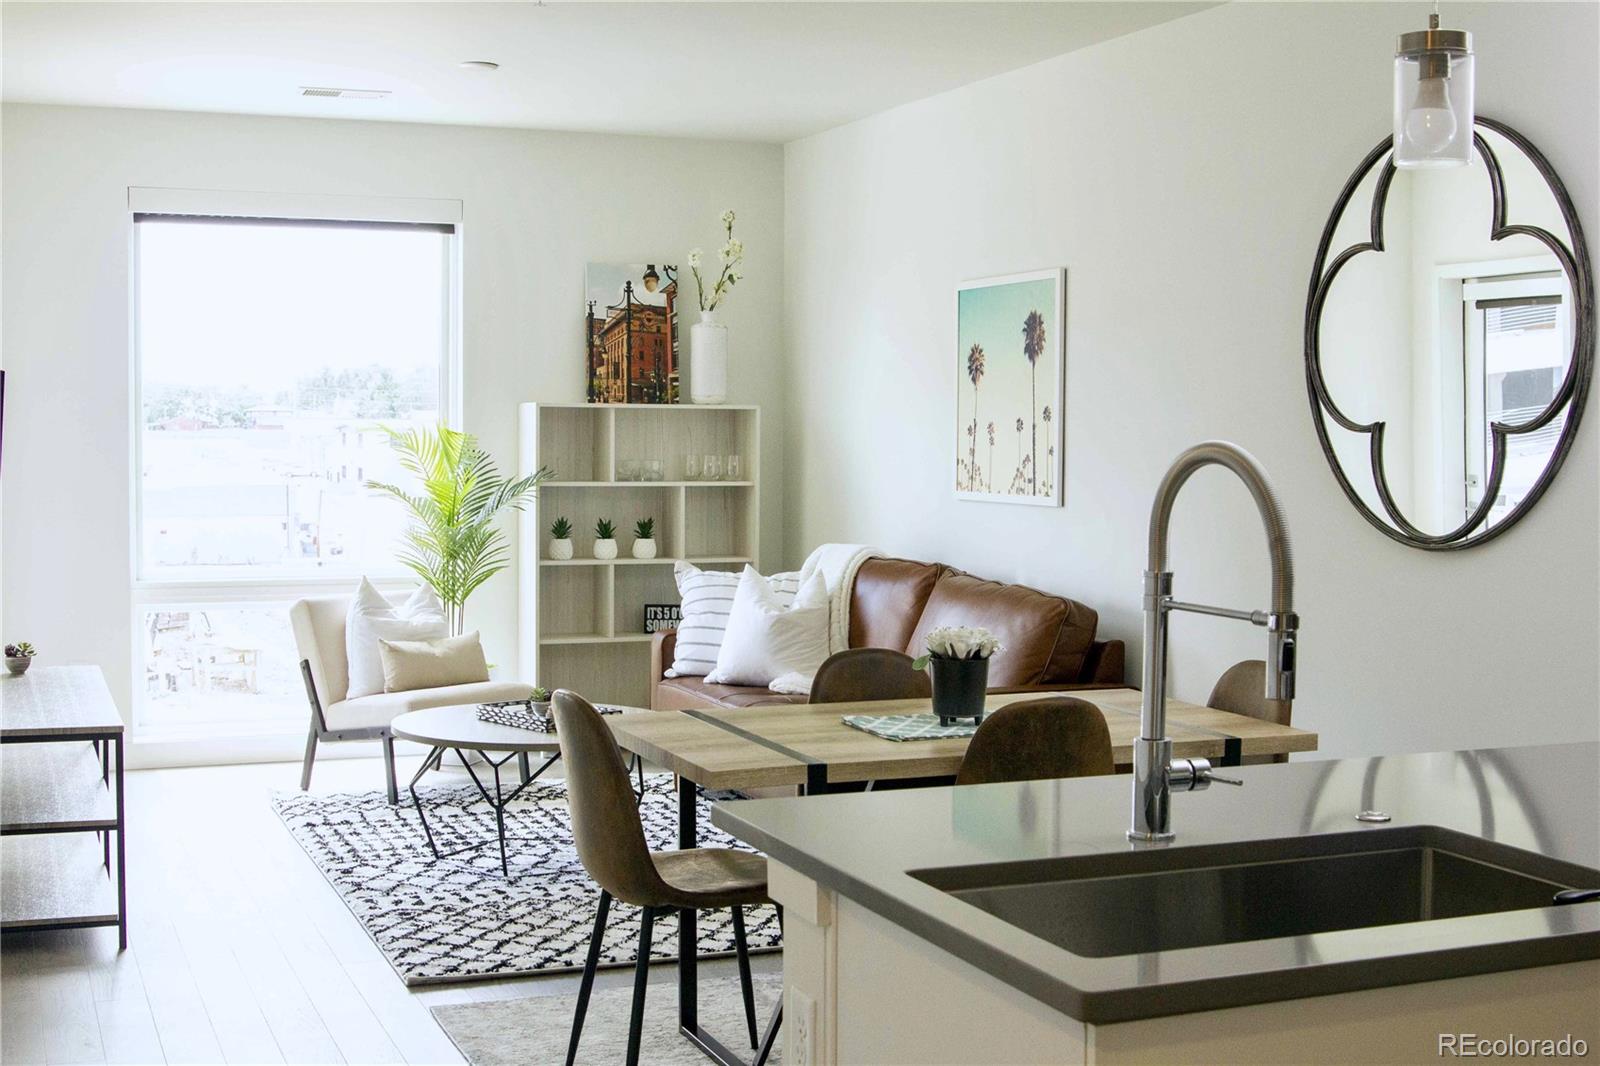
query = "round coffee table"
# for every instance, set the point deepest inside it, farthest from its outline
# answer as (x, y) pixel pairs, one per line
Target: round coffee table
(459, 729)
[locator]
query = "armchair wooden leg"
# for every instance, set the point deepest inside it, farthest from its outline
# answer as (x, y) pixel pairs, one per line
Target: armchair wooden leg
(641, 981)
(390, 784)
(742, 949)
(311, 756)
(523, 768)
(589, 966)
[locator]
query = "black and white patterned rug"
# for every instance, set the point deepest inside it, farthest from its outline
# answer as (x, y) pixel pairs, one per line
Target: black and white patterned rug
(460, 918)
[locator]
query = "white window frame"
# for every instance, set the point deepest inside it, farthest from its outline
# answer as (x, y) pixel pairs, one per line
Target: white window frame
(168, 748)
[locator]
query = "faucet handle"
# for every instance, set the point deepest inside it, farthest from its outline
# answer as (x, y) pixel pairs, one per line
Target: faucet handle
(1211, 775)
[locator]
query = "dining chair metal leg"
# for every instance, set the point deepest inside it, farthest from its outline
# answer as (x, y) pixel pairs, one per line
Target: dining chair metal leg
(589, 966)
(771, 1039)
(742, 950)
(641, 981)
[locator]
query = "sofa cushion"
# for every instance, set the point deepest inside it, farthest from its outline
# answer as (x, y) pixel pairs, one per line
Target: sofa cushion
(1027, 622)
(887, 599)
(678, 692)
(365, 712)
(1074, 643)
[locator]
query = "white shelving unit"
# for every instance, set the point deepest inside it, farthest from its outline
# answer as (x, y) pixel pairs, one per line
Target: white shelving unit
(582, 619)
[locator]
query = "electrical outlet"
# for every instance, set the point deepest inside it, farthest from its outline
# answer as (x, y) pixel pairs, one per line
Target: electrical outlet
(802, 1030)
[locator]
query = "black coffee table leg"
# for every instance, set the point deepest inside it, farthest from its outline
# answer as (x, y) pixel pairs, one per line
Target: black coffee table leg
(430, 762)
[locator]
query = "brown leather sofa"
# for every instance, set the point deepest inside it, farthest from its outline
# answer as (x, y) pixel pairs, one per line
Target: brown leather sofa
(1047, 641)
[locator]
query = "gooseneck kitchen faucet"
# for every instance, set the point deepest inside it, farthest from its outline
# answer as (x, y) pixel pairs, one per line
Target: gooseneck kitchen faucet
(1155, 772)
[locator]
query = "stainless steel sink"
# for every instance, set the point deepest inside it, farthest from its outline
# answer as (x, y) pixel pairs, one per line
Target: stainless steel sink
(1165, 899)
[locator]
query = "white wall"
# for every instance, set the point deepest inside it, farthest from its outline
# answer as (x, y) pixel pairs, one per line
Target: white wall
(1183, 175)
(538, 207)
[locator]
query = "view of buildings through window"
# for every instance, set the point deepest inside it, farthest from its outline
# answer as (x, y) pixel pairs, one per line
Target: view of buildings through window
(270, 358)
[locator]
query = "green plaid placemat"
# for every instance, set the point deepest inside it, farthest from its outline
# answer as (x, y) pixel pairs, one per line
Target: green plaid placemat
(909, 726)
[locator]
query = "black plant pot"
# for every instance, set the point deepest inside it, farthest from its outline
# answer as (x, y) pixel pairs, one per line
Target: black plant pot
(959, 688)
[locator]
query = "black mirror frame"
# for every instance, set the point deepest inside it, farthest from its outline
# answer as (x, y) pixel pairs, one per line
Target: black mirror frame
(1574, 389)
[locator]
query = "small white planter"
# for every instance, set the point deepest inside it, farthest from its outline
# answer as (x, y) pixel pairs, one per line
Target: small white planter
(605, 549)
(561, 549)
(644, 549)
(708, 360)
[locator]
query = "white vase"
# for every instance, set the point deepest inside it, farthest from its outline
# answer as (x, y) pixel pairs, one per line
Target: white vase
(561, 549)
(644, 549)
(708, 360)
(605, 549)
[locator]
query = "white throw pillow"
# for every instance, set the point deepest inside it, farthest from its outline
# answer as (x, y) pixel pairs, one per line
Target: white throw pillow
(373, 618)
(767, 638)
(707, 597)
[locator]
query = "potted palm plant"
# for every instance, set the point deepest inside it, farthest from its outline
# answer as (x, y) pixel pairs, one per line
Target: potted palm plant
(561, 539)
(644, 538)
(605, 539)
(453, 543)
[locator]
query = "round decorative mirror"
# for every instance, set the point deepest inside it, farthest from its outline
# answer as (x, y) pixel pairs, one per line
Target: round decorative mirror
(1450, 339)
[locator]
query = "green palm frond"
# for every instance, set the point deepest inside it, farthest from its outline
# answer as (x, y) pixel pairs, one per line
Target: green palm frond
(453, 544)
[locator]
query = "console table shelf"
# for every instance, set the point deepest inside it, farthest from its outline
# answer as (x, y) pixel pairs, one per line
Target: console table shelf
(582, 619)
(63, 861)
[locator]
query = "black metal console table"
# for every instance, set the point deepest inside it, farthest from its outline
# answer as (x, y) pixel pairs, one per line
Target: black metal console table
(63, 858)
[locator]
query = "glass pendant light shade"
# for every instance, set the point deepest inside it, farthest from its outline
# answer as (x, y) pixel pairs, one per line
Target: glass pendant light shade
(1433, 98)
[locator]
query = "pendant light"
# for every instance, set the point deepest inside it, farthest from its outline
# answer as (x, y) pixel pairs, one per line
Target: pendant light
(1433, 97)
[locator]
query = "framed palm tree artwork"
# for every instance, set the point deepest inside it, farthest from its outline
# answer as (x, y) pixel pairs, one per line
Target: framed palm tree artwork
(1010, 388)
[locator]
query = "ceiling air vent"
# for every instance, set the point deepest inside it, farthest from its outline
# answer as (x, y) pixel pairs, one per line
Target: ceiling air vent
(344, 94)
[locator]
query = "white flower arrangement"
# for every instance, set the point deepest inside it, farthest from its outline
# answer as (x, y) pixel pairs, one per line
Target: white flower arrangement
(958, 642)
(731, 255)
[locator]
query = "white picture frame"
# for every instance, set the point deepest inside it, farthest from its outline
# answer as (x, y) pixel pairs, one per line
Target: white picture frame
(1017, 377)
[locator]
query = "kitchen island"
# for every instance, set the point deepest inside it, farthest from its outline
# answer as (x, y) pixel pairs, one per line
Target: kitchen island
(1016, 923)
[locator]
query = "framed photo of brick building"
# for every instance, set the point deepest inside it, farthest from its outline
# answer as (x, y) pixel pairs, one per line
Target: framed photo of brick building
(631, 333)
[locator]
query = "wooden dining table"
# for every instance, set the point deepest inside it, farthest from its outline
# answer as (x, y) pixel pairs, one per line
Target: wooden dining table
(810, 746)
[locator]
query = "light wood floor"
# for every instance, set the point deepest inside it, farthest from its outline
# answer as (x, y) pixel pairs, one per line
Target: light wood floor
(238, 950)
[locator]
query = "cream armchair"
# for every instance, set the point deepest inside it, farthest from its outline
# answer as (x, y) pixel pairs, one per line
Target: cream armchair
(319, 638)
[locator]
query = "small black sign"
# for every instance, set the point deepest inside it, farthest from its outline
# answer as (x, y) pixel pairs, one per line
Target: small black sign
(660, 617)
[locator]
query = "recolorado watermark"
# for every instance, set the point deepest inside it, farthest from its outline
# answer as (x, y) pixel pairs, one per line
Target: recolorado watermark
(1474, 1046)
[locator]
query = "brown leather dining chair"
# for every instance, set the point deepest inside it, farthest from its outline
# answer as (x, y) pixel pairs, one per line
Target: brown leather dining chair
(1242, 689)
(611, 844)
(869, 674)
(1035, 740)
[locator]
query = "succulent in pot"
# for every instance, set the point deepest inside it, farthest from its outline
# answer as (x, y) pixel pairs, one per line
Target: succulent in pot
(644, 538)
(959, 660)
(561, 539)
(19, 657)
(605, 539)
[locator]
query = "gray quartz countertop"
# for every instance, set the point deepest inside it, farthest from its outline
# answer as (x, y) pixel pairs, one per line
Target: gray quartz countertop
(1544, 800)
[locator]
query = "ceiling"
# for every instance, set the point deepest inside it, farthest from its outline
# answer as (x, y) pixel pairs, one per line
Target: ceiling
(748, 71)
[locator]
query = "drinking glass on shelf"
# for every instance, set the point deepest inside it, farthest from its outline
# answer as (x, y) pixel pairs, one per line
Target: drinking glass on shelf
(652, 469)
(628, 470)
(691, 468)
(730, 468)
(713, 467)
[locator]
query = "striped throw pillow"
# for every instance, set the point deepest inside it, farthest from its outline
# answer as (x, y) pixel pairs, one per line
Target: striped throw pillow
(707, 597)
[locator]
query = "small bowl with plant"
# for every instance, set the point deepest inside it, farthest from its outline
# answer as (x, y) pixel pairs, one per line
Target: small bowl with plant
(19, 657)
(561, 539)
(605, 539)
(644, 538)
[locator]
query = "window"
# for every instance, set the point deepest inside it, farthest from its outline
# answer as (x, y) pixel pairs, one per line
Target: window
(270, 353)
(1516, 346)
